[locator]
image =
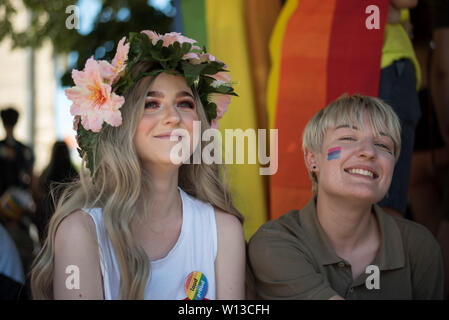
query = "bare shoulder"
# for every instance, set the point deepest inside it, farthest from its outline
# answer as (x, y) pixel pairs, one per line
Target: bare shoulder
(76, 247)
(77, 226)
(227, 221)
(230, 236)
(230, 260)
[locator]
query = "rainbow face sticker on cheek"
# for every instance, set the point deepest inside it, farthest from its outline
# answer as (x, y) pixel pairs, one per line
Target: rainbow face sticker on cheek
(333, 153)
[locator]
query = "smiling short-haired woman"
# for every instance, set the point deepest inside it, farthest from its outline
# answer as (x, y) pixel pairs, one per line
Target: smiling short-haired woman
(342, 245)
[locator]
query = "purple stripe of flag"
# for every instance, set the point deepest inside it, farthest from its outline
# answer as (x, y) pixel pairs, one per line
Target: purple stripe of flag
(334, 153)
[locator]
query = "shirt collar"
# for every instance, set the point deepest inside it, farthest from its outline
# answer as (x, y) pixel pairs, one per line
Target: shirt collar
(391, 252)
(320, 242)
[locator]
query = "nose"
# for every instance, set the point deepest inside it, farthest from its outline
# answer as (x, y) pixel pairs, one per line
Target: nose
(367, 149)
(171, 115)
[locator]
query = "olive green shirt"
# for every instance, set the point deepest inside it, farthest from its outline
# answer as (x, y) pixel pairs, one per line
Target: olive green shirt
(292, 258)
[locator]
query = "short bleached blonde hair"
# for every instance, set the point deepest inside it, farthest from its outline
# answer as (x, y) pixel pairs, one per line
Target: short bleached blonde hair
(349, 110)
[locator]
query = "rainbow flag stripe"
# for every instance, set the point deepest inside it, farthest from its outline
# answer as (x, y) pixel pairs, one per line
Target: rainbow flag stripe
(334, 153)
(319, 50)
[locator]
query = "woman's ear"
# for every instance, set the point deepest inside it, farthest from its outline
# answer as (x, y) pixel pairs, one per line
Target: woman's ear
(310, 160)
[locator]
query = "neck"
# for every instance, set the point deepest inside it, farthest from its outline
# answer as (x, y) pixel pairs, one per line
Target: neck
(9, 133)
(347, 224)
(163, 200)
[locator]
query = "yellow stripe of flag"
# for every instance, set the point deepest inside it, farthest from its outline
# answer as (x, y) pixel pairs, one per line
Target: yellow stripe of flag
(275, 53)
(226, 38)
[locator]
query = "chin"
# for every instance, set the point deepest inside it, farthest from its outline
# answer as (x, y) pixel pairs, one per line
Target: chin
(366, 198)
(159, 160)
(359, 195)
(166, 161)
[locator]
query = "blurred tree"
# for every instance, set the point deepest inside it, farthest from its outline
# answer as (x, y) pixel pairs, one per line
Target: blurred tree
(47, 20)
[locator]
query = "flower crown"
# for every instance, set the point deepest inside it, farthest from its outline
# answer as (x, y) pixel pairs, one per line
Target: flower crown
(98, 92)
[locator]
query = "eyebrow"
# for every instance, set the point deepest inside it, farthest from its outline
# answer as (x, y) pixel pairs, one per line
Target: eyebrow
(156, 94)
(184, 94)
(356, 128)
(159, 94)
(346, 126)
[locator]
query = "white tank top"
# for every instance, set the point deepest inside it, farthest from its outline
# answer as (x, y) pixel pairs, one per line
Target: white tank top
(195, 250)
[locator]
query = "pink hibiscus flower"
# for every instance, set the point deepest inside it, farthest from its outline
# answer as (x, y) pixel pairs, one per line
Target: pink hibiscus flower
(92, 98)
(221, 76)
(168, 38)
(154, 36)
(193, 57)
(222, 101)
(207, 57)
(172, 37)
(197, 58)
(111, 71)
(76, 122)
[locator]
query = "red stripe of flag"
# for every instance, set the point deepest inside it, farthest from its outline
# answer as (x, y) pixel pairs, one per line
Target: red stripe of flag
(355, 51)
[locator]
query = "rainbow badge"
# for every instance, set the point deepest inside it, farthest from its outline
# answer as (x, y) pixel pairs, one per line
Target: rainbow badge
(196, 285)
(333, 153)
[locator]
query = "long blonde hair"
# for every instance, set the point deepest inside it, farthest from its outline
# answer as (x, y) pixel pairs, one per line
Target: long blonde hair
(119, 185)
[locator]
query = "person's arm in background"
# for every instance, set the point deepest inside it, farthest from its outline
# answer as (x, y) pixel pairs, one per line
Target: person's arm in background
(404, 4)
(395, 12)
(394, 15)
(440, 79)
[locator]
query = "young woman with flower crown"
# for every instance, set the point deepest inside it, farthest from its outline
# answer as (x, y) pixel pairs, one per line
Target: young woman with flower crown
(136, 225)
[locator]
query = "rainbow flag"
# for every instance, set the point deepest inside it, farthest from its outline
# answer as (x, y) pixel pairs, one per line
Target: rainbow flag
(319, 50)
(220, 26)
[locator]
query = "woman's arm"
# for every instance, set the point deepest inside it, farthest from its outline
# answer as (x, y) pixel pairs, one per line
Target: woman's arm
(230, 261)
(77, 272)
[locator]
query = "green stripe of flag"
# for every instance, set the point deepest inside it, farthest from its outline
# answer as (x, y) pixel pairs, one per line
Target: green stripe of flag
(194, 20)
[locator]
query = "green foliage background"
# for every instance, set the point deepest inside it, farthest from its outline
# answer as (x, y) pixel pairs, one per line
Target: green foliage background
(48, 22)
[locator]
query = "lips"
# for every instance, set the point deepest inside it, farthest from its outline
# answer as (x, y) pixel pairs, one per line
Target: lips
(167, 135)
(362, 171)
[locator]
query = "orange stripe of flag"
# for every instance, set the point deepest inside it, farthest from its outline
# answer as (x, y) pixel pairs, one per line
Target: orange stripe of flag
(301, 92)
